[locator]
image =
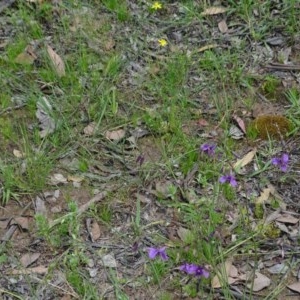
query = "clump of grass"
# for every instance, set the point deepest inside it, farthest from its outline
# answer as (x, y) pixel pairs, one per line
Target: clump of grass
(271, 88)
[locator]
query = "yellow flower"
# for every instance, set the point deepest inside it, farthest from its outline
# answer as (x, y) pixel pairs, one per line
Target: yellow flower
(156, 5)
(162, 42)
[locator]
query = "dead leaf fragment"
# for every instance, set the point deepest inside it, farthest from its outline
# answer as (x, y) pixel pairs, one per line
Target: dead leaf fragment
(29, 258)
(75, 178)
(23, 222)
(24, 58)
(245, 160)
(27, 56)
(287, 219)
(240, 123)
(264, 196)
(109, 261)
(223, 271)
(260, 282)
(184, 234)
(90, 129)
(58, 179)
(46, 122)
(115, 135)
(18, 153)
(223, 26)
(295, 287)
(57, 62)
(214, 10)
(37, 270)
(94, 230)
(40, 207)
(235, 132)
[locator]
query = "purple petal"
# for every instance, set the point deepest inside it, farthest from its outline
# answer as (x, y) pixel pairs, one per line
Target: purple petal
(285, 158)
(204, 147)
(205, 273)
(233, 182)
(188, 268)
(163, 254)
(223, 179)
(152, 252)
(275, 161)
(184, 267)
(283, 168)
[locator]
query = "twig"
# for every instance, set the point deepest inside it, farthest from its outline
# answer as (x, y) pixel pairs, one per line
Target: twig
(283, 67)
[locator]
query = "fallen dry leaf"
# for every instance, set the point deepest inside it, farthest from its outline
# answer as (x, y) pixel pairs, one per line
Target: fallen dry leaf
(245, 160)
(115, 135)
(214, 10)
(57, 62)
(163, 188)
(58, 179)
(24, 58)
(46, 122)
(287, 219)
(184, 234)
(109, 261)
(264, 196)
(240, 123)
(95, 231)
(27, 56)
(23, 222)
(40, 207)
(223, 26)
(260, 282)
(37, 270)
(4, 224)
(90, 129)
(295, 287)
(75, 178)
(18, 153)
(235, 132)
(223, 274)
(29, 258)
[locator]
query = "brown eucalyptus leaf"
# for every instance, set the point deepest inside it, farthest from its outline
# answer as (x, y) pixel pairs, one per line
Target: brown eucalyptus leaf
(260, 282)
(95, 231)
(214, 10)
(28, 258)
(57, 62)
(223, 26)
(295, 287)
(245, 160)
(90, 129)
(37, 270)
(223, 271)
(23, 222)
(115, 135)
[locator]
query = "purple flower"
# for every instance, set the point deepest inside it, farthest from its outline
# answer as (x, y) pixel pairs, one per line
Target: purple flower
(193, 269)
(229, 179)
(208, 149)
(140, 159)
(153, 252)
(281, 162)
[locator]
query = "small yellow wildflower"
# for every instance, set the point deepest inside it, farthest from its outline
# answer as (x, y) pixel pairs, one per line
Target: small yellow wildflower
(156, 5)
(162, 42)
